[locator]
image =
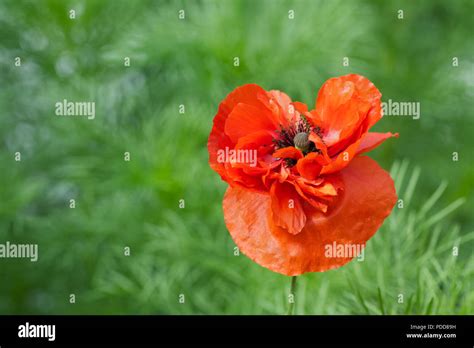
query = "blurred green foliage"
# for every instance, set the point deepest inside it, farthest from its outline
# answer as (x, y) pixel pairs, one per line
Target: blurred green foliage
(188, 251)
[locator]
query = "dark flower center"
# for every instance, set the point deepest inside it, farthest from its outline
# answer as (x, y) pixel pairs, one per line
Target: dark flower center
(298, 136)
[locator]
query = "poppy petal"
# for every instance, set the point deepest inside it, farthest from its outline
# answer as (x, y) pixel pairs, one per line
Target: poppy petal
(288, 152)
(343, 104)
(246, 119)
(320, 145)
(250, 94)
(325, 189)
(310, 166)
(317, 203)
(300, 107)
(342, 160)
(281, 105)
(286, 207)
(368, 198)
(371, 140)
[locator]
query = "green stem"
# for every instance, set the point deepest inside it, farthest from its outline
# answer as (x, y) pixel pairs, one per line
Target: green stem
(292, 291)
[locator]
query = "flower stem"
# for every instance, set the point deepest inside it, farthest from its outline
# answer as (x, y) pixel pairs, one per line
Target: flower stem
(292, 292)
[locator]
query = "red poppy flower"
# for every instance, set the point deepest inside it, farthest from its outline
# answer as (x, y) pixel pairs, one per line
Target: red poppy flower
(297, 181)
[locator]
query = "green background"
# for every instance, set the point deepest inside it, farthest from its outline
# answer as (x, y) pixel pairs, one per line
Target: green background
(136, 204)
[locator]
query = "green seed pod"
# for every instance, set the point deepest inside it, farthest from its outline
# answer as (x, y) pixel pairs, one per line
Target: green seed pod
(301, 141)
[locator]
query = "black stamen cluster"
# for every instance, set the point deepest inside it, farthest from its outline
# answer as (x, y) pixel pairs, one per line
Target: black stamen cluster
(286, 137)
